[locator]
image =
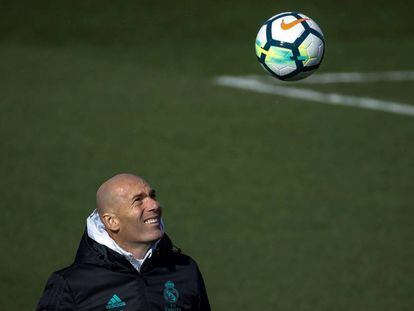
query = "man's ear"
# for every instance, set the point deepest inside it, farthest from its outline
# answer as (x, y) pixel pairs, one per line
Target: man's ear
(111, 222)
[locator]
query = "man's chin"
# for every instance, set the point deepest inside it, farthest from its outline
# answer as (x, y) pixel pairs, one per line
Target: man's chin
(156, 235)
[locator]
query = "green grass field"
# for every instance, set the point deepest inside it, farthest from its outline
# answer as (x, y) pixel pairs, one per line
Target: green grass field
(285, 204)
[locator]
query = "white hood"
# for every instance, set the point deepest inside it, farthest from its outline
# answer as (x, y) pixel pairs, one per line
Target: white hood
(96, 231)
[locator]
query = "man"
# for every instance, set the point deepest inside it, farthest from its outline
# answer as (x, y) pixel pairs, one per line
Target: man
(125, 261)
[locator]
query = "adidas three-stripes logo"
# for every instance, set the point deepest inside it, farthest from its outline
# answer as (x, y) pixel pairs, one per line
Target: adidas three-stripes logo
(115, 302)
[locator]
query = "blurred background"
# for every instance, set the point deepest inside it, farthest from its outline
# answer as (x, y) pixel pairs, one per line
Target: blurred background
(285, 204)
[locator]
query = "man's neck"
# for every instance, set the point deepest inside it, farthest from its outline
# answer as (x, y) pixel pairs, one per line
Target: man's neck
(138, 250)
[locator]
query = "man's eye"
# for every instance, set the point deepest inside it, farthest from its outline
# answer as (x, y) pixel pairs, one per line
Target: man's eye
(152, 194)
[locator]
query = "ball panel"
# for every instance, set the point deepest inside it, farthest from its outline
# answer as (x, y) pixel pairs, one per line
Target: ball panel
(260, 41)
(289, 33)
(321, 50)
(312, 24)
(278, 59)
(310, 50)
(286, 70)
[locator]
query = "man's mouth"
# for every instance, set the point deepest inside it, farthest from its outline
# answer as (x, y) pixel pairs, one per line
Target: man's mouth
(154, 220)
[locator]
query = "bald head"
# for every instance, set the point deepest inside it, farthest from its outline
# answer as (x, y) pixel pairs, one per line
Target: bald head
(114, 191)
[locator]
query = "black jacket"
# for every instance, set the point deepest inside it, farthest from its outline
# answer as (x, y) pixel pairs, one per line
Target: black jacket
(101, 279)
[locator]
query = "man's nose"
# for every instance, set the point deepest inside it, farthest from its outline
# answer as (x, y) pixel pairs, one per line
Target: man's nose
(153, 204)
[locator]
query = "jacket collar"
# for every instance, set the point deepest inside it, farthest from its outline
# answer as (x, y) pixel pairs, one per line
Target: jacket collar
(92, 252)
(97, 232)
(97, 247)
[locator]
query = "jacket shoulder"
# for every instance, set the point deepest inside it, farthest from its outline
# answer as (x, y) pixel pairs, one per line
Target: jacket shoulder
(57, 294)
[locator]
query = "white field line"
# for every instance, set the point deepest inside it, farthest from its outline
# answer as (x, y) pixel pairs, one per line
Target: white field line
(254, 85)
(349, 77)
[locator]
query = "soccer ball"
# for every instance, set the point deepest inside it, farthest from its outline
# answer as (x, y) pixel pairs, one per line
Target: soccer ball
(290, 46)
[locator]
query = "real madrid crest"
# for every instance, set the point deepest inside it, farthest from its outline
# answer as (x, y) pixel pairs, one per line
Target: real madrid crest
(171, 296)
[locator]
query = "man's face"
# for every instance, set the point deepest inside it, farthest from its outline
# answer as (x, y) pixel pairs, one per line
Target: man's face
(139, 214)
